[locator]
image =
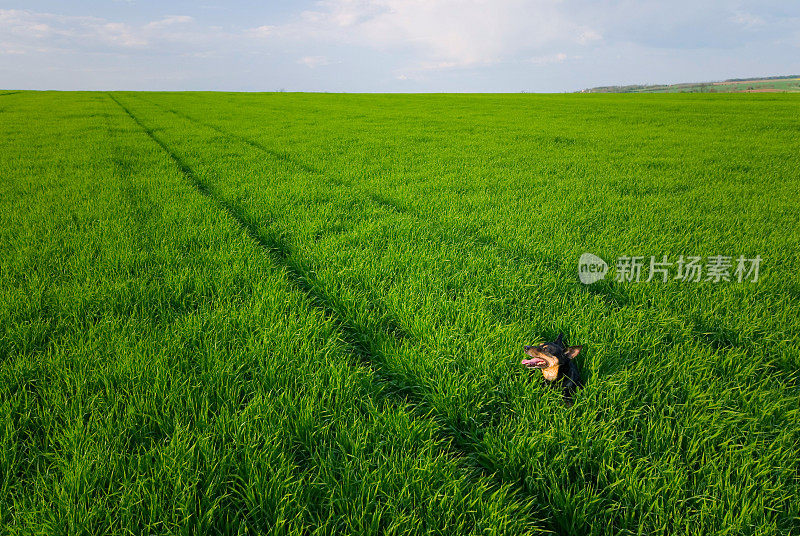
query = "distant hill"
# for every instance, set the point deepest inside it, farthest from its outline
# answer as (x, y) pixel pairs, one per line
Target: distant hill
(768, 84)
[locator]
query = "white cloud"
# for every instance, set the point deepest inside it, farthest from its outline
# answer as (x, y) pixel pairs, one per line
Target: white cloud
(114, 34)
(35, 31)
(260, 32)
(548, 59)
(170, 20)
(748, 20)
(10, 49)
(313, 61)
(443, 34)
(587, 36)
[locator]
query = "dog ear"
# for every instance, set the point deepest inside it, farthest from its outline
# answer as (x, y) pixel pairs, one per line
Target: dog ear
(572, 351)
(560, 339)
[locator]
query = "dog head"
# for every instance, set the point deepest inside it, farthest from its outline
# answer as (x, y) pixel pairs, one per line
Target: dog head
(550, 356)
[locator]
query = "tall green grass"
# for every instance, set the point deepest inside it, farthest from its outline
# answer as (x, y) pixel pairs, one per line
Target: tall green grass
(414, 244)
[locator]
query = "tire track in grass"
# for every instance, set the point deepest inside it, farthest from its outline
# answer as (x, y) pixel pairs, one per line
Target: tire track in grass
(378, 199)
(467, 476)
(461, 432)
(357, 341)
(613, 296)
(464, 433)
(144, 209)
(448, 232)
(283, 156)
(279, 245)
(466, 443)
(388, 323)
(280, 252)
(470, 446)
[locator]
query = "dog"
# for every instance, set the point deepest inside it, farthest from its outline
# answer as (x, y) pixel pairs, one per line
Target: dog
(556, 360)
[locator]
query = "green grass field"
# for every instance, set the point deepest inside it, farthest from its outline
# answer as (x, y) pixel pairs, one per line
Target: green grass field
(304, 314)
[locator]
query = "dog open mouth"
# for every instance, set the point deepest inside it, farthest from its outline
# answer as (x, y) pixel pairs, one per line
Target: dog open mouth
(536, 362)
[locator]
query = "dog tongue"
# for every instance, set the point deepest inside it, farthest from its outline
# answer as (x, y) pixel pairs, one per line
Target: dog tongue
(535, 362)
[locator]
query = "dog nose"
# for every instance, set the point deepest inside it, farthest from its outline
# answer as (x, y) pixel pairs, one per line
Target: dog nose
(526, 348)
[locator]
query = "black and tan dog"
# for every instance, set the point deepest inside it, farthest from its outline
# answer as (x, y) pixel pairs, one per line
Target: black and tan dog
(556, 360)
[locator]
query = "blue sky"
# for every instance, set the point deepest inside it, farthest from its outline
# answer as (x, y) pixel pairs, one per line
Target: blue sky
(391, 45)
